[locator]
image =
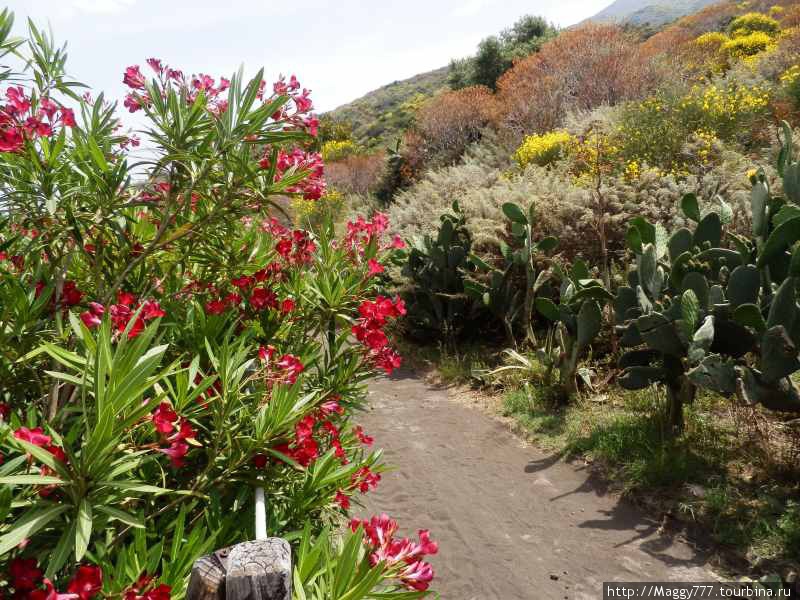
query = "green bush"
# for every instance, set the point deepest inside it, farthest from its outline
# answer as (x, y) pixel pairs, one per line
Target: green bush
(168, 344)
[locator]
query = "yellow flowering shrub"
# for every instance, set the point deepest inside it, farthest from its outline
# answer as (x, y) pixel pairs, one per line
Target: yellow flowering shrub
(791, 75)
(711, 40)
(595, 155)
(633, 170)
(338, 149)
(724, 109)
(543, 149)
(747, 45)
(314, 212)
(705, 53)
(754, 22)
(791, 84)
(656, 130)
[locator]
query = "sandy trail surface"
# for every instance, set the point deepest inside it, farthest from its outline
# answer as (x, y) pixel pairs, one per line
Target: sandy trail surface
(512, 522)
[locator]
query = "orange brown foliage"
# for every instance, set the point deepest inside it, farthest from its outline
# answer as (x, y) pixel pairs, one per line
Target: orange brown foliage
(580, 69)
(449, 122)
(355, 174)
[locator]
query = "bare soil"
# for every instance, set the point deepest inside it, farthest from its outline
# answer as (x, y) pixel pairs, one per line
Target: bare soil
(512, 522)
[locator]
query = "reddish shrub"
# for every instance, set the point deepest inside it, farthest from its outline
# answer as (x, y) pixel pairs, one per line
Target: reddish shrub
(449, 122)
(580, 69)
(357, 173)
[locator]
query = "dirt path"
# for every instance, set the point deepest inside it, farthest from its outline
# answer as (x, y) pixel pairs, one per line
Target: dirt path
(511, 522)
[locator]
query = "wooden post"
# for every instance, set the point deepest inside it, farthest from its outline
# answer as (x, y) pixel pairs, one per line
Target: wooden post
(257, 570)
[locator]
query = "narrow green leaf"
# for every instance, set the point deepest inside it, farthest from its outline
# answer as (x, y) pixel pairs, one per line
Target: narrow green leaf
(122, 516)
(83, 529)
(31, 480)
(33, 521)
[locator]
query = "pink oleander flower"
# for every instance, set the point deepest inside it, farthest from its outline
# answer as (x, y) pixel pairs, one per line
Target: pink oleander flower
(374, 267)
(67, 117)
(35, 436)
(132, 103)
(342, 500)
(133, 78)
(287, 305)
(291, 367)
(402, 557)
(164, 418)
(18, 102)
(87, 582)
(156, 65)
(362, 437)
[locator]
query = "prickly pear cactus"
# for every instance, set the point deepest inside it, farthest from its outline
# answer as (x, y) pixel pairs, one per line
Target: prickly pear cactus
(436, 267)
(526, 251)
(703, 308)
(578, 318)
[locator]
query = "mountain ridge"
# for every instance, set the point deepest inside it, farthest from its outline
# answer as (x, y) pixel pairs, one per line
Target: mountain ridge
(378, 118)
(650, 12)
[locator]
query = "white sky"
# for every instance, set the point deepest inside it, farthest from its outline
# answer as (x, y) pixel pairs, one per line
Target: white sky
(339, 49)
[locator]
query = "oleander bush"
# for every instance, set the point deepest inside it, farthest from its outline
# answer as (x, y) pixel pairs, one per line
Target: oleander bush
(170, 341)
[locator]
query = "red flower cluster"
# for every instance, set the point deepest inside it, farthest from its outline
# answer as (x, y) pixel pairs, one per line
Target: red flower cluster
(302, 104)
(285, 370)
(360, 233)
(313, 186)
(367, 440)
(365, 480)
(70, 294)
(140, 591)
(18, 122)
(258, 297)
(304, 449)
(369, 330)
(342, 500)
(87, 582)
(122, 312)
(37, 437)
(216, 100)
(166, 421)
(296, 248)
(402, 557)
(138, 98)
(26, 578)
(24, 574)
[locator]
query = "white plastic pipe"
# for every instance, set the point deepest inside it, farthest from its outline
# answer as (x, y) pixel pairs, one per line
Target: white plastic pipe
(261, 515)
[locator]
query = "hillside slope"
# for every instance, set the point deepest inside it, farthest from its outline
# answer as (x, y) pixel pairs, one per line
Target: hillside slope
(652, 12)
(379, 117)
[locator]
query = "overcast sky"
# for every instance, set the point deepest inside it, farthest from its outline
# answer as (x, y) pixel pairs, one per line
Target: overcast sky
(340, 49)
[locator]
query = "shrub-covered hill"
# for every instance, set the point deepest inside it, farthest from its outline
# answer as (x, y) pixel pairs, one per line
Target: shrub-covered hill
(381, 116)
(637, 12)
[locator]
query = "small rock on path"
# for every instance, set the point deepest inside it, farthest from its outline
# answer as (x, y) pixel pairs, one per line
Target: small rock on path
(512, 522)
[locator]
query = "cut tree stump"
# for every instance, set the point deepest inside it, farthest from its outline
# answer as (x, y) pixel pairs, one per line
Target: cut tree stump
(258, 570)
